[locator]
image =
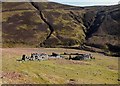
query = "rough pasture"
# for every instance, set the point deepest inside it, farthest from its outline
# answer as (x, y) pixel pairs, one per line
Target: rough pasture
(101, 70)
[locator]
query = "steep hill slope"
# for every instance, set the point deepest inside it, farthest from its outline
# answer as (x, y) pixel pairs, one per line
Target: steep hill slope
(35, 30)
(104, 29)
(51, 24)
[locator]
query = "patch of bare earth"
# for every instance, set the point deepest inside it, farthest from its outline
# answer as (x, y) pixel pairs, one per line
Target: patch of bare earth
(11, 75)
(63, 62)
(112, 67)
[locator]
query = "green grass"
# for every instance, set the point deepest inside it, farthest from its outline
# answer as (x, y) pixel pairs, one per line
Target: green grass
(60, 71)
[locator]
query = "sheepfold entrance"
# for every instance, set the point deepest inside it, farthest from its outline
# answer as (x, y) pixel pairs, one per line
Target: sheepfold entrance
(34, 57)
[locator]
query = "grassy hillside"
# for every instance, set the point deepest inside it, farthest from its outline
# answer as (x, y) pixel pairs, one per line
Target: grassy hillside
(101, 70)
(49, 24)
(22, 26)
(33, 29)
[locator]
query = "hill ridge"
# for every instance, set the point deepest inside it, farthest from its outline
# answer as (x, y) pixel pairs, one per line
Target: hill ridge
(57, 25)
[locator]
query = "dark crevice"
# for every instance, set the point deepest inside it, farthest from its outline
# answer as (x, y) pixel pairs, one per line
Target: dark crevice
(49, 25)
(93, 27)
(74, 17)
(100, 16)
(45, 20)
